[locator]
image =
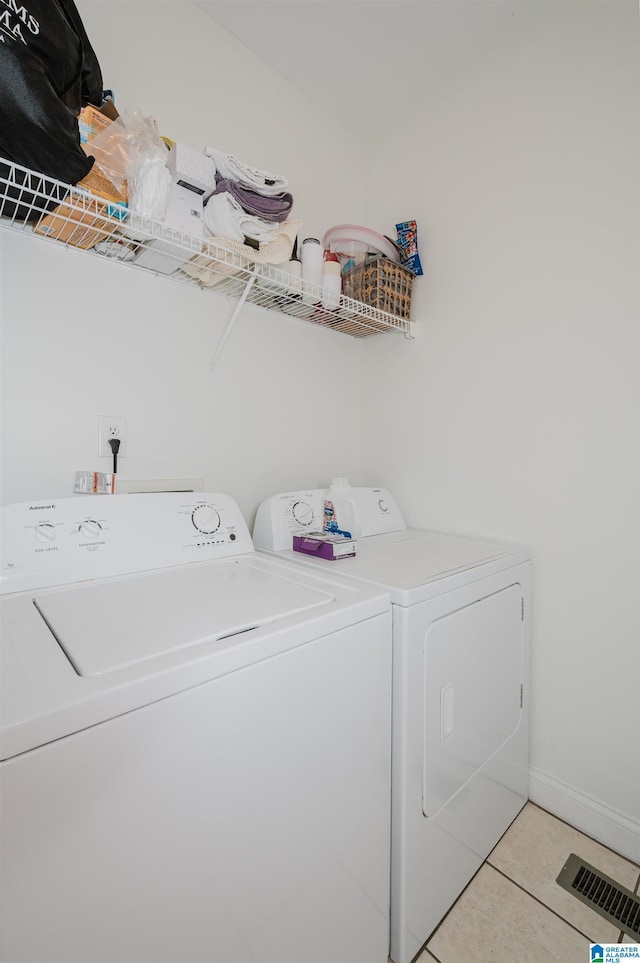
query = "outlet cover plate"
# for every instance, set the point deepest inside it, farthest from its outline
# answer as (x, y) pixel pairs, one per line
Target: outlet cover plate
(112, 426)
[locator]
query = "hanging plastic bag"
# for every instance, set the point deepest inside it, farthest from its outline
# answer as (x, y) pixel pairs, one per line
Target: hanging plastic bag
(132, 150)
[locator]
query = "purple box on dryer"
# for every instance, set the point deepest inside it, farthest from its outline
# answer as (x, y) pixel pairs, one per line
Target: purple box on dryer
(325, 545)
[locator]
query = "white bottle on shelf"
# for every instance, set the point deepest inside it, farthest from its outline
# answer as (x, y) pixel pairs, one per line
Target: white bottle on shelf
(331, 284)
(311, 258)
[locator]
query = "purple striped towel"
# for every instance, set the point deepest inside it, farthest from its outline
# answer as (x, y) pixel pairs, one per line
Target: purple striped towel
(273, 207)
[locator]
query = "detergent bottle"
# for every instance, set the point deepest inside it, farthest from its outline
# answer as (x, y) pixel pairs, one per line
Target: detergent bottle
(339, 509)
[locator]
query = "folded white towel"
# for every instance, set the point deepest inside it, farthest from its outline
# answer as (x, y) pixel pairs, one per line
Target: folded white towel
(225, 217)
(263, 181)
(210, 267)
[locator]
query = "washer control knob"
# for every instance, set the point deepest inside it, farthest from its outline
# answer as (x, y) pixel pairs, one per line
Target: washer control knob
(303, 513)
(90, 528)
(382, 505)
(44, 532)
(205, 519)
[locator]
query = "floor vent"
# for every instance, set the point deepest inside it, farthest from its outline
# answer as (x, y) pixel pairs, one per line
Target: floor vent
(612, 901)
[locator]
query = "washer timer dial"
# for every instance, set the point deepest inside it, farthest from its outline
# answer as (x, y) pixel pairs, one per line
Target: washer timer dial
(302, 513)
(206, 519)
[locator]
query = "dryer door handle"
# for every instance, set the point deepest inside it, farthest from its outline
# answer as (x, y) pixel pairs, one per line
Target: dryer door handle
(446, 711)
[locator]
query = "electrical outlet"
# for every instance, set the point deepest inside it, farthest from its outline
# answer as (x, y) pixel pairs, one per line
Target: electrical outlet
(112, 426)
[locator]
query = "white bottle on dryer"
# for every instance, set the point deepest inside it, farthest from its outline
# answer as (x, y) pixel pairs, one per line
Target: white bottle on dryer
(340, 514)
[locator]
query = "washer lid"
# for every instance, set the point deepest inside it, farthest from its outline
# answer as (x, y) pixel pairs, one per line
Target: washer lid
(106, 626)
(112, 646)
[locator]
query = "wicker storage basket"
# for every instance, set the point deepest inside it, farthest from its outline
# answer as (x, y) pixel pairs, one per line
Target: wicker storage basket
(382, 284)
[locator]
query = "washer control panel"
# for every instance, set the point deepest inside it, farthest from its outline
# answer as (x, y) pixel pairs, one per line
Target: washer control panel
(282, 516)
(65, 540)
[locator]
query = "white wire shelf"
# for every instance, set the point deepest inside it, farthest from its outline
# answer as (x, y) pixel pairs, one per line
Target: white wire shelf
(54, 211)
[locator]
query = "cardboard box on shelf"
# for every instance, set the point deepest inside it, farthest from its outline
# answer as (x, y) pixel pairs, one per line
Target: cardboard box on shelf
(96, 182)
(71, 225)
(107, 107)
(92, 121)
(84, 221)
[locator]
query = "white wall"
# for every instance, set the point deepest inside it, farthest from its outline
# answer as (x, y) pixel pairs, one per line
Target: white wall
(83, 337)
(515, 411)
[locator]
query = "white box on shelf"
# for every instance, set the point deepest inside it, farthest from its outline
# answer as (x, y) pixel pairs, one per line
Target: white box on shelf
(184, 210)
(184, 214)
(190, 168)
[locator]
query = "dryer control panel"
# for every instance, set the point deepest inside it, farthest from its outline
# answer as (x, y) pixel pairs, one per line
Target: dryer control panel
(282, 516)
(377, 511)
(62, 540)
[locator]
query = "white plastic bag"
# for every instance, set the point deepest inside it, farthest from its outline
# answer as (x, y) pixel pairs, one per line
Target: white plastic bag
(132, 150)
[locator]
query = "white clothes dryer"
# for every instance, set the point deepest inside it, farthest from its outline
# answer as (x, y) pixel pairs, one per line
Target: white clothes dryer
(194, 740)
(460, 691)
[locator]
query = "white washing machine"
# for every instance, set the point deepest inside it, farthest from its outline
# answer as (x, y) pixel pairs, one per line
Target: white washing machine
(460, 691)
(194, 739)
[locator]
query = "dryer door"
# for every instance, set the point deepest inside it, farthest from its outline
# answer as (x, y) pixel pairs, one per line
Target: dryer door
(473, 663)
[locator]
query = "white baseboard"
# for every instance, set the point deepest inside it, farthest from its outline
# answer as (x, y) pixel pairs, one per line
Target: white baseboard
(591, 816)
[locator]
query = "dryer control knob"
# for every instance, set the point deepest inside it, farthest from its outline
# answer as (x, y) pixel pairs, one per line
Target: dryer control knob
(90, 528)
(44, 532)
(206, 519)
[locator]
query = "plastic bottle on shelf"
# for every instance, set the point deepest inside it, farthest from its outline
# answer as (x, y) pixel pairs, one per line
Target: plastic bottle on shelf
(311, 258)
(287, 284)
(288, 275)
(331, 281)
(295, 273)
(339, 510)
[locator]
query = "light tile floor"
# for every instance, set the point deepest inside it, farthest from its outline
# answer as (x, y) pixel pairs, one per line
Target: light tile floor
(513, 911)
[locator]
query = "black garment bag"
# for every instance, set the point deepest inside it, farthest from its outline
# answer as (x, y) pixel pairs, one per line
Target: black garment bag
(48, 72)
